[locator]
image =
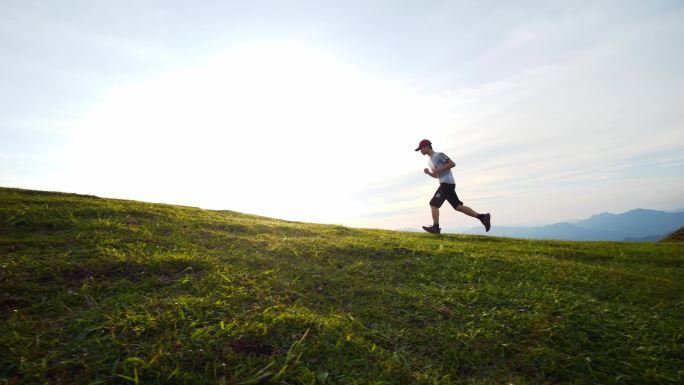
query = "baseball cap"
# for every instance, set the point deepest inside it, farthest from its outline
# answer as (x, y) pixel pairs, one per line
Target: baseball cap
(423, 143)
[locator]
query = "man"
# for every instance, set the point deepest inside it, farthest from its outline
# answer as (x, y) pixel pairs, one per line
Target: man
(440, 167)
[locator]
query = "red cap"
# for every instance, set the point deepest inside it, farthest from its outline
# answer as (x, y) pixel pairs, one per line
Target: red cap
(423, 143)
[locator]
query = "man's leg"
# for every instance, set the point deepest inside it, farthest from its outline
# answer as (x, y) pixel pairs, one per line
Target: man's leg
(484, 218)
(467, 211)
(435, 204)
(434, 229)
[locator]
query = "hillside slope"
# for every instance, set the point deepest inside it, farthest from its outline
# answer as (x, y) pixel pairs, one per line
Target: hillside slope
(677, 236)
(110, 291)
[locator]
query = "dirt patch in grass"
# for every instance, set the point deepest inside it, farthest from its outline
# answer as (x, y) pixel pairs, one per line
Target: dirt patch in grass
(251, 346)
(10, 302)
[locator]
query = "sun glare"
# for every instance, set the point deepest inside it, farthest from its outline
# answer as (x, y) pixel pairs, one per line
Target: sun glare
(274, 129)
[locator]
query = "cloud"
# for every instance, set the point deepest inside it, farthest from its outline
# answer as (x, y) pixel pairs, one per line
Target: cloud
(251, 129)
(594, 118)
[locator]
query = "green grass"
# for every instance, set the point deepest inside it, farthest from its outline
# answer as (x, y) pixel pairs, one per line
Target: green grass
(102, 291)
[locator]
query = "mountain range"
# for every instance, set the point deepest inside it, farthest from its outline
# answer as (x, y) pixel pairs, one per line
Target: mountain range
(638, 225)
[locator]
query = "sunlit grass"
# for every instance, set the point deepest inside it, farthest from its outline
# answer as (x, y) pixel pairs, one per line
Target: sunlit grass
(108, 291)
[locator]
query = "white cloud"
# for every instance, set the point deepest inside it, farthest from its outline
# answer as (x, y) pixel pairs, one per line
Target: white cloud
(277, 129)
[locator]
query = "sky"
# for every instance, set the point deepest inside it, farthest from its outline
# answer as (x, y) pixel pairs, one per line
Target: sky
(311, 110)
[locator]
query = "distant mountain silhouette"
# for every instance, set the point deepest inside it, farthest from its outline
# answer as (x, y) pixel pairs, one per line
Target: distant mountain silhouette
(637, 225)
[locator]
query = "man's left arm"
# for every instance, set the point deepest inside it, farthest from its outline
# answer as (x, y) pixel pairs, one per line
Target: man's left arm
(449, 164)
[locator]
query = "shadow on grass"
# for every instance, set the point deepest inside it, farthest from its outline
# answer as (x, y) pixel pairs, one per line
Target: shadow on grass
(614, 254)
(369, 252)
(166, 270)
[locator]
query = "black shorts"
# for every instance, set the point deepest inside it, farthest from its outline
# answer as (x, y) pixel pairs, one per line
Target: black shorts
(446, 191)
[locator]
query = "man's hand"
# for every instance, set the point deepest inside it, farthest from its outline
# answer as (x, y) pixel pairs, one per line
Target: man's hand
(432, 174)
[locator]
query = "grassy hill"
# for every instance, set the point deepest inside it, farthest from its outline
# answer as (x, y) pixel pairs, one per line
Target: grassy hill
(677, 236)
(110, 291)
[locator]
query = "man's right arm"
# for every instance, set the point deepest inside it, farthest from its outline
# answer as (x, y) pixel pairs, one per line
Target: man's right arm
(432, 174)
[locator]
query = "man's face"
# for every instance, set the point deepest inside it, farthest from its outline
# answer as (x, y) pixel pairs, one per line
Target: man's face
(424, 149)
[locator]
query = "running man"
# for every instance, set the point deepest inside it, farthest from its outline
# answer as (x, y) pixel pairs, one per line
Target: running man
(440, 167)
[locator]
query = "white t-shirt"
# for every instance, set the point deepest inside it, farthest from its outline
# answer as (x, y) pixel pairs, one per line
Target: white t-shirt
(437, 160)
